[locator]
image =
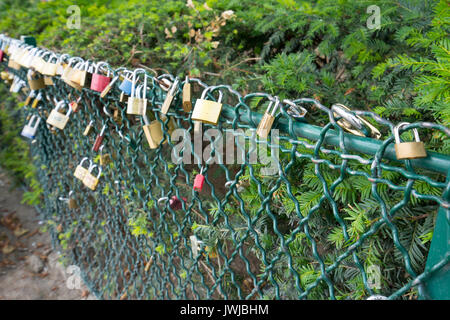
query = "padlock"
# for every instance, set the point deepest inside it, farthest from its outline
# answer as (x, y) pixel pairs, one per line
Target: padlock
(169, 97)
(154, 131)
(105, 158)
(17, 84)
(99, 139)
(86, 75)
(38, 62)
(81, 171)
(1, 55)
(99, 81)
(69, 73)
(175, 203)
(36, 100)
(72, 203)
(353, 123)
(27, 58)
(187, 103)
(48, 81)
(88, 128)
(58, 119)
(50, 68)
(91, 181)
(29, 97)
(126, 85)
(195, 246)
(136, 104)
(61, 65)
(75, 104)
(206, 110)
(108, 87)
(35, 80)
(408, 150)
(266, 122)
(199, 181)
(30, 129)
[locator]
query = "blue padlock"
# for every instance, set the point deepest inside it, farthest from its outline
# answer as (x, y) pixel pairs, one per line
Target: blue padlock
(126, 86)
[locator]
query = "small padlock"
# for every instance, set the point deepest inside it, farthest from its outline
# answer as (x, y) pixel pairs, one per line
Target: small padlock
(75, 104)
(88, 128)
(175, 203)
(99, 81)
(91, 181)
(108, 87)
(69, 73)
(187, 103)
(1, 55)
(199, 181)
(50, 68)
(86, 75)
(58, 119)
(206, 110)
(30, 129)
(408, 150)
(72, 202)
(29, 97)
(266, 122)
(105, 158)
(195, 246)
(126, 85)
(169, 97)
(81, 171)
(35, 80)
(136, 104)
(154, 131)
(99, 139)
(36, 100)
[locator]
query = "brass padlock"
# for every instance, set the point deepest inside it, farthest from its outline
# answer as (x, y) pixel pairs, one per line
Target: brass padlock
(72, 202)
(105, 158)
(187, 103)
(169, 97)
(137, 105)
(36, 100)
(91, 181)
(88, 128)
(35, 80)
(266, 122)
(408, 150)
(50, 68)
(154, 131)
(58, 119)
(69, 73)
(207, 111)
(29, 97)
(81, 171)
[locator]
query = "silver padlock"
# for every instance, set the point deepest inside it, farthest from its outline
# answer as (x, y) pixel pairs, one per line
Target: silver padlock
(30, 129)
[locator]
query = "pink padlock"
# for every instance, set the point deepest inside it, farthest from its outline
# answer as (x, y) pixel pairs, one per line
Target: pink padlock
(1, 55)
(175, 203)
(199, 181)
(99, 81)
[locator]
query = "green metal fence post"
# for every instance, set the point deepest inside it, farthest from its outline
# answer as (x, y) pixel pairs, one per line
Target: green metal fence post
(438, 285)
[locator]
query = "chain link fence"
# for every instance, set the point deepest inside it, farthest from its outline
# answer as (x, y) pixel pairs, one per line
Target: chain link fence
(334, 218)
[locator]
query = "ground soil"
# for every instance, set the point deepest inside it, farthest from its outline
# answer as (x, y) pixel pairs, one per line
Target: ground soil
(20, 238)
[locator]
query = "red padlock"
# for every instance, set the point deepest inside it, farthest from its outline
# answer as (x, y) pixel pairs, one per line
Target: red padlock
(99, 140)
(1, 55)
(99, 81)
(199, 181)
(175, 203)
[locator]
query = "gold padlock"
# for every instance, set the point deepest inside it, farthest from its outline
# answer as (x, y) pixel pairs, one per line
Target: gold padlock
(408, 150)
(29, 97)
(88, 128)
(266, 122)
(69, 73)
(137, 105)
(35, 80)
(105, 158)
(73, 203)
(50, 68)
(91, 181)
(207, 111)
(58, 119)
(81, 171)
(36, 100)
(48, 81)
(154, 131)
(187, 103)
(169, 97)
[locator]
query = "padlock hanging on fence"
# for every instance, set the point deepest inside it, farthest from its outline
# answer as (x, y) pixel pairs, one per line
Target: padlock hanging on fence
(99, 81)
(90, 180)
(137, 105)
(154, 131)
(58, 119)
(169, 97)
(81, 171)
(408, 150)
(30, 129)
(207, 111)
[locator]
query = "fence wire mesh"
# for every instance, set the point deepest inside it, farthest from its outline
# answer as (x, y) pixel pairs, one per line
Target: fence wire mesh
(303, 233)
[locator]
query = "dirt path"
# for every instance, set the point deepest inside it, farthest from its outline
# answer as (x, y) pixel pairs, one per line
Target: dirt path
(29, 267)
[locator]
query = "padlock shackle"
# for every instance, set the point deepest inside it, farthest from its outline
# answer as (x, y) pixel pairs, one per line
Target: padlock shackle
(64, 56)
(203, 96)
(102, 131)
(60, 104)
(133, 83)
(51, 57)
(350, 118)
(397, 134)
(83, 160)
(146, 121)
(174, 86)
(91, 167)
